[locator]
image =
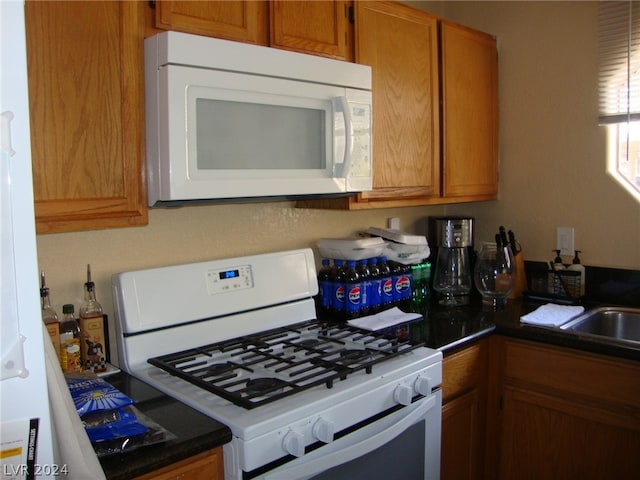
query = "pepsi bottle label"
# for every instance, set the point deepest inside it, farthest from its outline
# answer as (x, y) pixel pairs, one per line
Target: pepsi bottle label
(387, 291)
(403, 286)
(352, 306)
(338, 297)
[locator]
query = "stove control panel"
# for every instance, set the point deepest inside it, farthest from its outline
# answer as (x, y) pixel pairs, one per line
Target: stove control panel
(229, 279)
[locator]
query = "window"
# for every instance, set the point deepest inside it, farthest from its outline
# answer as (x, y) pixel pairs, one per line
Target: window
(619, 88)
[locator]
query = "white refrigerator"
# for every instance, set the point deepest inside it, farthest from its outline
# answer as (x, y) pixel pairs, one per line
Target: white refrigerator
(26, 433)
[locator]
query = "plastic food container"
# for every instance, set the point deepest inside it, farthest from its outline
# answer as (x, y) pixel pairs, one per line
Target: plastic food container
(351, 248)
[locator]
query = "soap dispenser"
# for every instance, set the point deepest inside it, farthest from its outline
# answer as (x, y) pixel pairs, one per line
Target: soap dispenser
(557, 262)
(576, 266)
(554, 282)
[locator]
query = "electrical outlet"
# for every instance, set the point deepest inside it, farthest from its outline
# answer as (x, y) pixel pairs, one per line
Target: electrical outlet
(565, 240)
(393, 223)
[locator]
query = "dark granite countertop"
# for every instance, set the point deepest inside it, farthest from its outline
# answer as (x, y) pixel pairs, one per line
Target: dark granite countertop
(448, 329)
(508, 323)
(194, 431)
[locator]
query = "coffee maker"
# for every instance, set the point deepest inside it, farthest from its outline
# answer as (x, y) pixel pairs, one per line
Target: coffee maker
(451, 258)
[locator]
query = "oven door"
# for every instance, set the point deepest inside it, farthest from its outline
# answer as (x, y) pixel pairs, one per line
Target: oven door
(403, 444)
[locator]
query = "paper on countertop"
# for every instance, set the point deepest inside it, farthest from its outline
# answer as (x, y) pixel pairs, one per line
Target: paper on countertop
(552, 315)
(387, 318)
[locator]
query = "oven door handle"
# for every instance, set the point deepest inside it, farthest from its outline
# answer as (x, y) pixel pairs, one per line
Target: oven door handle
(317, 465)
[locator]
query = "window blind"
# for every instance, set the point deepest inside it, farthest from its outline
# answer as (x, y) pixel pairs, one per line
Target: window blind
(619, 56)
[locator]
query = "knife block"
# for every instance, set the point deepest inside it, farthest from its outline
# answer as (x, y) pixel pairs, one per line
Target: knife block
(521, 276)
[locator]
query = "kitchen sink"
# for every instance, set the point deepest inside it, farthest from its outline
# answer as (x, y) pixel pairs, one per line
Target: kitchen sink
(608, 323)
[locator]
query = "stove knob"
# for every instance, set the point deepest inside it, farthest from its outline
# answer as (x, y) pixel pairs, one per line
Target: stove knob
(323, 430)
(403, 394)
(293, 443)
(423, 385)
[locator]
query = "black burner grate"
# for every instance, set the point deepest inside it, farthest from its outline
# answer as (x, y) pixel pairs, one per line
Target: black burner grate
(257, 369)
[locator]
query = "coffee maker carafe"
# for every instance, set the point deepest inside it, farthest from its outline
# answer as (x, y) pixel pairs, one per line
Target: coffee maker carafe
(452, 273)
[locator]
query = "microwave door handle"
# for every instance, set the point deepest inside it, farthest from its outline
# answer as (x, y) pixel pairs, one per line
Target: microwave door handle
(341, 170)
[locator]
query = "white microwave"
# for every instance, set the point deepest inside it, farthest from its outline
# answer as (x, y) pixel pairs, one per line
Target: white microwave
(228, 120)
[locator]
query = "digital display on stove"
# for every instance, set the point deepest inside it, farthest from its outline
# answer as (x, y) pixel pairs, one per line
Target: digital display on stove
(229, 274)
(229, 279)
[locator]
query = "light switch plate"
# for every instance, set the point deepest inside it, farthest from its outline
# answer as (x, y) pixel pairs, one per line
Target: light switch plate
(565, 237)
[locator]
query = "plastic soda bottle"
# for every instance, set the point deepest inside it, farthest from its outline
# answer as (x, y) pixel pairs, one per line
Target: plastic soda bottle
(325, 294)
(366, 286)
(386, 280)
(353, 291)
(375, 293)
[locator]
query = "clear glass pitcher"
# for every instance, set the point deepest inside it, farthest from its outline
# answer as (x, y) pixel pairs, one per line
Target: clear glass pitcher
(452, 276)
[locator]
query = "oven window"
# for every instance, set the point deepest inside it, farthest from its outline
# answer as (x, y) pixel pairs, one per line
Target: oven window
(234, 135)
(403, 457)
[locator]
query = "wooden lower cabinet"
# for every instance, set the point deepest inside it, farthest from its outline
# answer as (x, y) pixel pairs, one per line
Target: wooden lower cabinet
(464, 388)
(204, 466)
(563, 413)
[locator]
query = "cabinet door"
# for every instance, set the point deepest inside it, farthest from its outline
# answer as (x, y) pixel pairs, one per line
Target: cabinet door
(86, 97)
(204, 466)
(565, 413)
(464, 389)
(242, 21)
(400, 44)
(548, 436)
(460, 440)
(470, 116)
(318, 27)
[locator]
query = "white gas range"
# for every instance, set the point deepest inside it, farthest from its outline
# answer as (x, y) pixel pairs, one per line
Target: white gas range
(238, 340)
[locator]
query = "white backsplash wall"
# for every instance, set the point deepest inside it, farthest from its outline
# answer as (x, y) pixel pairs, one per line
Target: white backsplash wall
(198, 233)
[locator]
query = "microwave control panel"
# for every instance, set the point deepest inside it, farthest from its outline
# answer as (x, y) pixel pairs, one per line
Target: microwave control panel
(361, 140)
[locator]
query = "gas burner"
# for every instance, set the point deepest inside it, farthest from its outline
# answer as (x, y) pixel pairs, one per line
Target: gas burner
(217, 369)
(309, 342)
(264, 386)
(352, 356)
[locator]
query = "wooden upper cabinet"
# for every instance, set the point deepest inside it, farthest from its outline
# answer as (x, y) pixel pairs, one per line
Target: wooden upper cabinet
(470, 112)
(435, 109)
(242, 21)
(317, 27)
(401, 45)
(86, 98)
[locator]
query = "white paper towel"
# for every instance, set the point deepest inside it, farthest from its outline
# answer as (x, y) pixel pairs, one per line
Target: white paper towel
(552, 315)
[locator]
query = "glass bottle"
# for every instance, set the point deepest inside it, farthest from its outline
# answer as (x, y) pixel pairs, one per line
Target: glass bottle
(49, 316)
(70, 355)
(92, 328)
